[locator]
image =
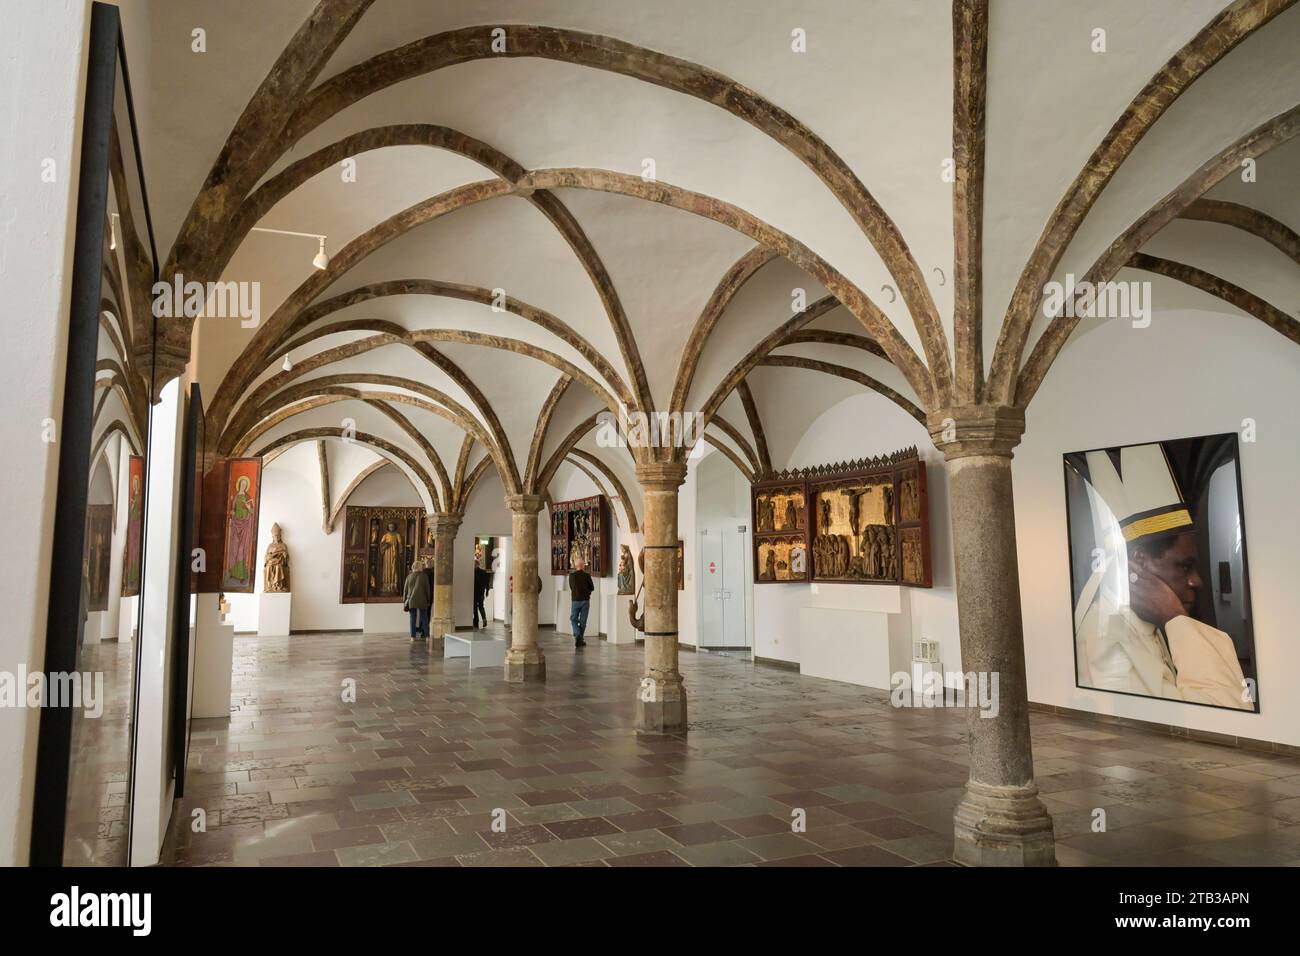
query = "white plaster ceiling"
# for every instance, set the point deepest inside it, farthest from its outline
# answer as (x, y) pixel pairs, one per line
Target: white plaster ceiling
(875, 84)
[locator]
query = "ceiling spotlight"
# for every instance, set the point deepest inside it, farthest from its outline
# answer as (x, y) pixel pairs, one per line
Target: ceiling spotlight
(322, 261)
(287, 366)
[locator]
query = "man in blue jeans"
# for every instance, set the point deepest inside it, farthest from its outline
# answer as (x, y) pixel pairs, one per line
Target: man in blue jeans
(580, 586)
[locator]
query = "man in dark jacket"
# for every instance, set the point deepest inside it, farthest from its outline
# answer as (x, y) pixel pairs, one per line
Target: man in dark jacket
(482, 584)
(580, 586)
(417, 595)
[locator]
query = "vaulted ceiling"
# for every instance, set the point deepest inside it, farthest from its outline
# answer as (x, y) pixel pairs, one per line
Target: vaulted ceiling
(561, 208)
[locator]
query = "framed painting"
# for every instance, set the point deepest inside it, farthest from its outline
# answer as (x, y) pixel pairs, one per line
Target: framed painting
(99, 547)
(1160, 585)
(243, 494)
(133, 553)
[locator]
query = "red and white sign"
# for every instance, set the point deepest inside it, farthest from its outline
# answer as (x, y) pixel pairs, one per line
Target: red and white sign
(713, 568)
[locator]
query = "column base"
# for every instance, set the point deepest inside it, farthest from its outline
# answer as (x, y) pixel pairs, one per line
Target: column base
(1002, 826)
(525, 665)
(439, 626)
(660, 707)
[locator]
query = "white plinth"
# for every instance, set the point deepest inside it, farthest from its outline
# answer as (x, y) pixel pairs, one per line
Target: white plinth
(385, 619)
(126, 618)
(564, 606)
(214, 651)
(273, 614)
(845, 645)
(244, 608)
(93, 631)
(620, 629)
(483, 650)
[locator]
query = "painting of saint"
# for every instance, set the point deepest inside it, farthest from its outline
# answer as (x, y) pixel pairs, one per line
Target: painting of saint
(134, 527)
(239, 560)
(99, 536)
(390, 560)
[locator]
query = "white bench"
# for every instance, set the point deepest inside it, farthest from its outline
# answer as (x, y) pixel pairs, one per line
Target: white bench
(483, 650)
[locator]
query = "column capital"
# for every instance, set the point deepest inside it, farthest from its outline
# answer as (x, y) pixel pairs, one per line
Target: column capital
(665, 475)
(966, 430)
(445, 522)
(525, 504)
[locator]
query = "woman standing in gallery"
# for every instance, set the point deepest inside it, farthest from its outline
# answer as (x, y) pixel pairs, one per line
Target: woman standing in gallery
(417, 595)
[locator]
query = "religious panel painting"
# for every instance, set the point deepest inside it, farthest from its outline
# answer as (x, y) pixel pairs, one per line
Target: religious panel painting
(780, 513)
(1160, 582)
(580, 528)
(681, 565)
(99, 549)
(782, 558)
(379, 546)
(133, 549)
(781, 508)
(855, 536)
(243, 494)
(863, 522)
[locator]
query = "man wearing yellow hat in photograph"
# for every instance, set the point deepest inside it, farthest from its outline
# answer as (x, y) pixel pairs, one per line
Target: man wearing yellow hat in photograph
(1134, 629)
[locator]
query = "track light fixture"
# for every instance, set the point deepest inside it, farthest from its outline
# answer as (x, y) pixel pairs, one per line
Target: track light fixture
(321, 260)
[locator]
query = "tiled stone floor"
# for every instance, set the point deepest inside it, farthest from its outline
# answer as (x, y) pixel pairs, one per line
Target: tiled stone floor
(411, 773)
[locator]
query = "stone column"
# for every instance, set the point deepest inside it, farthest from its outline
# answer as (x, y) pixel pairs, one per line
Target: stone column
(661, 698)
(1000, 821)
(442, 620)
(524, 661)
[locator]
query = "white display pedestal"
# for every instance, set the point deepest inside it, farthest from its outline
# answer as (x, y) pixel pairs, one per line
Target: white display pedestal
(273, 614)
(244, 608)
(845, 645)
(214, 652)
(620, 629)
(483, 650)
(564, 606)
(93, 632)
(385, 619)
(126, 618)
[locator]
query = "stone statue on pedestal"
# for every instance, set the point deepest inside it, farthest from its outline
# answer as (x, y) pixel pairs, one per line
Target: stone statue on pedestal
(626, 576)
(275, 566)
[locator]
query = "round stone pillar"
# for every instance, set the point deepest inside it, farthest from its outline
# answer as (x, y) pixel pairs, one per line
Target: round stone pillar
(442, 621)
(524, 661)
(661, 698)
(1000, 821)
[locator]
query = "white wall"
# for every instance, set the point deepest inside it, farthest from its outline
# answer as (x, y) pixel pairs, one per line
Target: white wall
(152, 779)
(42, 53)
(1116, 385)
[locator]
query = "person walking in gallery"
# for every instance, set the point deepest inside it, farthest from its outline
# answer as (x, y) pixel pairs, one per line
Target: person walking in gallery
(417, 595)
(580, 586)
(482, 585)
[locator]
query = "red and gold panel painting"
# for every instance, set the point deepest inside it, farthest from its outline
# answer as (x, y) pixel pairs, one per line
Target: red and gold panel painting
(243, 495)
(134, 552)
